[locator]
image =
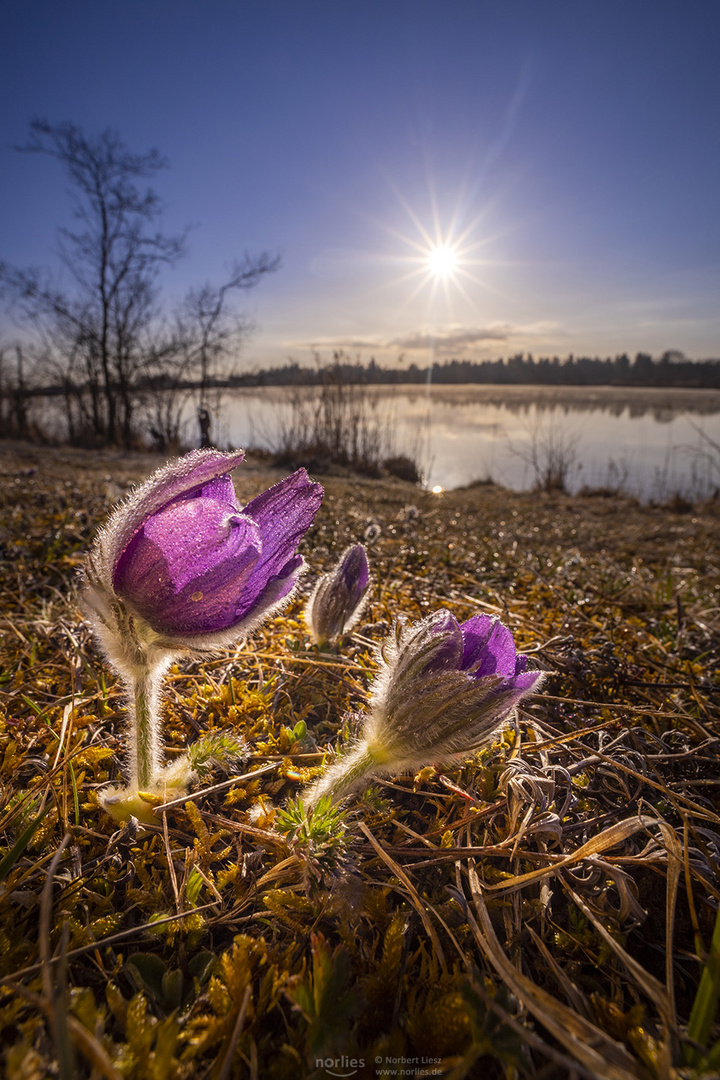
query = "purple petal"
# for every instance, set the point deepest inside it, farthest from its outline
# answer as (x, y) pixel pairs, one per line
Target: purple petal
(176, 479)
(186, 569)
(498, 655)
(337, 600)
(489, 648)
(476, 632)
(521, 662)
(526, 680)
(288, 507)
(441, 622)
(448, 652)
(278, 587)
(516, 688)
(220, 488)
(283, 515)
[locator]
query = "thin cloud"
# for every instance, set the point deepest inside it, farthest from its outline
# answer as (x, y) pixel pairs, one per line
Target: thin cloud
(447, 341)
(472, 342)
(335, 343)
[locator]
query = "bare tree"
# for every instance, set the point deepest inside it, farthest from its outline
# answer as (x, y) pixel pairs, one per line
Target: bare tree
(113, 258)
(207, 336)
(102, 336)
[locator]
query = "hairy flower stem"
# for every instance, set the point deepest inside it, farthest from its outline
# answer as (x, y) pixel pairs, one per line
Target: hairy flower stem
(345, 775)
(145, 743)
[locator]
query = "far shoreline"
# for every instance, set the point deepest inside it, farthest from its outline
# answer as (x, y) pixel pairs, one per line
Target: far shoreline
(116, 470)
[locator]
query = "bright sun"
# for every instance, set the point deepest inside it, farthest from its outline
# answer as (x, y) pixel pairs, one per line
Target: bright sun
(442, 261)
(443, 257)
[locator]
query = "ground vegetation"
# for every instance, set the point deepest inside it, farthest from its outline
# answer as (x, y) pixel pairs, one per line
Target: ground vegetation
(546, 909)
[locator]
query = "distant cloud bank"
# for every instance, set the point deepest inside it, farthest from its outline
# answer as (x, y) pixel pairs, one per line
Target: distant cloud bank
(444, 342)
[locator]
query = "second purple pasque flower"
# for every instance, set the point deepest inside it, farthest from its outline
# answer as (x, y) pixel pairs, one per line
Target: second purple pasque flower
(442, 690)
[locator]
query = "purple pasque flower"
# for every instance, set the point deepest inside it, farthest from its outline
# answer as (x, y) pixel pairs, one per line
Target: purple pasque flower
(442, 690)
(339, 597)
(191, 567)
(180, 567)
(462, 678)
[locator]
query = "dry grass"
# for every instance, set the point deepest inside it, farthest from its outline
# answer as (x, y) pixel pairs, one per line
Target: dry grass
(545, 910)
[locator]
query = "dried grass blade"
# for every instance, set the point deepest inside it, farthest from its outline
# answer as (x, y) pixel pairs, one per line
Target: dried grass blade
(572, 1068)
(55, 1006)
(414, 895)
(93, 1050)
(648, 983)
(572, 992)
(234, 1038)
(596, 1051)
(679, 801)
(45, 912)
(614, 834)
(123, 935)
(194, 795)
(171, 864)
(278, 871)
(67, 713)
(674, 870)
(85, 1041)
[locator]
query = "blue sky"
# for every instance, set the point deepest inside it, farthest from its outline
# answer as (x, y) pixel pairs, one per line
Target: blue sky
(568, 150)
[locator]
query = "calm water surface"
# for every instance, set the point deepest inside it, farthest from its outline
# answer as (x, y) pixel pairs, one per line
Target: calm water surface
(650, 442)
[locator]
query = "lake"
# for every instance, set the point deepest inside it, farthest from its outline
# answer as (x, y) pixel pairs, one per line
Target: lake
(648, 442)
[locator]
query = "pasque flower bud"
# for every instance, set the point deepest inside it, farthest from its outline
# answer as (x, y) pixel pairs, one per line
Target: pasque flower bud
(443, 688)
(180, 567)
(339, 597)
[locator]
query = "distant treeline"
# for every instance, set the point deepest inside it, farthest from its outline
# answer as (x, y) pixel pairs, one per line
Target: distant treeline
(671, 369)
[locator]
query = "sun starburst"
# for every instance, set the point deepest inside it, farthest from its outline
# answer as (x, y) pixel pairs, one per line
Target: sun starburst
(443, 261)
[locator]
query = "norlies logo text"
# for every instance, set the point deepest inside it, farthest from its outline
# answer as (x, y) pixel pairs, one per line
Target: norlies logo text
(334, 1065)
